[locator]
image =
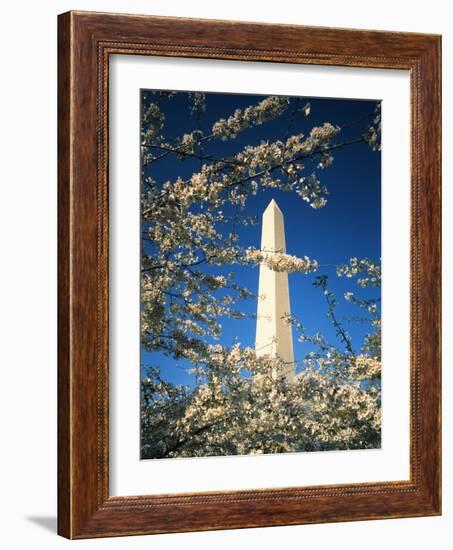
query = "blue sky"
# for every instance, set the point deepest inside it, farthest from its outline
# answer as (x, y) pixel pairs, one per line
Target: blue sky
(349, 225)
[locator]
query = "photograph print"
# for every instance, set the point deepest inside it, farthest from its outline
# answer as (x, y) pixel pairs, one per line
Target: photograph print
(260, 274)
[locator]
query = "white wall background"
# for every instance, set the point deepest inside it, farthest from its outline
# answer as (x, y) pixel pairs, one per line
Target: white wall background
(28, 271)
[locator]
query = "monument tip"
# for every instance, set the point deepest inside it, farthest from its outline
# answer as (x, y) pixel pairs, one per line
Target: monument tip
(273, 204)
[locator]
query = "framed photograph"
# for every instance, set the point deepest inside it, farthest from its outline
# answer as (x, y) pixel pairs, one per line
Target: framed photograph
(249, 275)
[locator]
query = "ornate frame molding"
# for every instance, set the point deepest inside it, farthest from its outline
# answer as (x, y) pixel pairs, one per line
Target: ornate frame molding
(86, 40)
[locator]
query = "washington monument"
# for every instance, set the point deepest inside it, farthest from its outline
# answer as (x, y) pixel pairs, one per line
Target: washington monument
(273, 333)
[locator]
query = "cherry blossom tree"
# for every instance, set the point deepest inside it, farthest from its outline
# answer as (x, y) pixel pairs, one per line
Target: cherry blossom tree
(190, 227)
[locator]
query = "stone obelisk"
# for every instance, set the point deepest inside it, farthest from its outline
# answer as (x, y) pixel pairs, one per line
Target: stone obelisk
(273, 333)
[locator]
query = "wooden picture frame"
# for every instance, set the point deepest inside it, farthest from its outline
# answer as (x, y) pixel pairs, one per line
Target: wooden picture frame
(85, 41)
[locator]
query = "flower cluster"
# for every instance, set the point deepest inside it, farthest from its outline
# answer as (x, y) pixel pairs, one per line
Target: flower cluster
(370, 269)
(154, 119)
(311, 191)
(269, 108)
(373, 134)
(364, 367)
(240, 407)
(197, 102)
(324, 133)
(280, 261)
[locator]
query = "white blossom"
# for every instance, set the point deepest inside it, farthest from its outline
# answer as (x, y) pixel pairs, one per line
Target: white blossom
(267, 109)
(279, 261)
